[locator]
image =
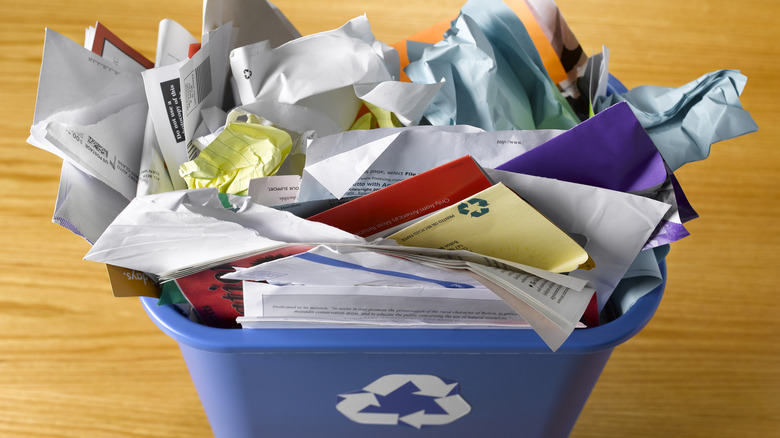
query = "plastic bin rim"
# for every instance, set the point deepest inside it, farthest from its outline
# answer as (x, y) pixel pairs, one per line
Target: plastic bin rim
(398, 340)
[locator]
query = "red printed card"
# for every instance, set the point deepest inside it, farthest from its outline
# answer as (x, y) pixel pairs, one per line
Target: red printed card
(409, 199)
(219, 301)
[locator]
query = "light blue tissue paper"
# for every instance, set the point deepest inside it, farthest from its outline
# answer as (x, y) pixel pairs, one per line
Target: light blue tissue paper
(684, 122)
(494, 77)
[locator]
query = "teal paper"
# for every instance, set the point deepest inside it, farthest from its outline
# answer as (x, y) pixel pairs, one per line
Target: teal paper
(494, 77)
(171, 294)
(684, 122)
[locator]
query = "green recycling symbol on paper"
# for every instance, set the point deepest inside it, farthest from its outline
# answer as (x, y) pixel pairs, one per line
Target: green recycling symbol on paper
(474, 207)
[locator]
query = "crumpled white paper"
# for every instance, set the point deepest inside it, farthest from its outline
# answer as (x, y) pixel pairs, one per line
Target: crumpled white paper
(165, 233)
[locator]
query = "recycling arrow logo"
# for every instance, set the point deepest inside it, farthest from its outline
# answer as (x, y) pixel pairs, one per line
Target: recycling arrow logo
(415, 400)
(473, 207)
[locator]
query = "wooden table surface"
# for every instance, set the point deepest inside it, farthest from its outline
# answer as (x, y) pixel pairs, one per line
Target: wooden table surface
(76, 362)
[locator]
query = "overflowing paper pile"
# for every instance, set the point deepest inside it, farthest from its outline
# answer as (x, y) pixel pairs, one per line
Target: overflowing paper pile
(485, 172)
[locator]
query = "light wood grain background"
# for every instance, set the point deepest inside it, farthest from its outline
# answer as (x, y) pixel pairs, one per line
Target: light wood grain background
(75, 362)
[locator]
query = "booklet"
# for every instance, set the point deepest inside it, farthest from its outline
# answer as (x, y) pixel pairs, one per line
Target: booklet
(498, 223)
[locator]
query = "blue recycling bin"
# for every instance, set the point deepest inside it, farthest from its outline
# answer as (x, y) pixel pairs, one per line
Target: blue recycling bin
(394, 382)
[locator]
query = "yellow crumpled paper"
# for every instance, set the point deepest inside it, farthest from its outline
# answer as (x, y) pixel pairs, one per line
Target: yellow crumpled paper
(376, 117)
(243, 151)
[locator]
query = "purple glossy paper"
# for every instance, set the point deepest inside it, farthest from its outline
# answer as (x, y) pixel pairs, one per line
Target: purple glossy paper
(610, 150)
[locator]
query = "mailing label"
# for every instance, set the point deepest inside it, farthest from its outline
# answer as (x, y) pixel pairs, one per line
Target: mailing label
(197, 85)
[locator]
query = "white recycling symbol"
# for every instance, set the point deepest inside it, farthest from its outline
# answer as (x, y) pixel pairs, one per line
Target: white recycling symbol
(415, 400)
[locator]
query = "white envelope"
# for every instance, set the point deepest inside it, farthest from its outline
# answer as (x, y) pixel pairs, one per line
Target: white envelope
(85, 205)
(90, 113)
(345, 266)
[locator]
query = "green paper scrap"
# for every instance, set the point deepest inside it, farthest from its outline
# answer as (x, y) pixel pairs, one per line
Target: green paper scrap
(170, 294)
(243, 151)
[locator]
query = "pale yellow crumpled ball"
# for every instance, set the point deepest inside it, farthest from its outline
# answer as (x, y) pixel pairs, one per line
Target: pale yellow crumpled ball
(243, 151)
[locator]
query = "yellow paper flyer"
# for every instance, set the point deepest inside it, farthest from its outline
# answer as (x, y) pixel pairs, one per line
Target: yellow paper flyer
(498, 223)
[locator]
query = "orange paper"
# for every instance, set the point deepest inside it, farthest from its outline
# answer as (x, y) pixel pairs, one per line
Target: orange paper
(434, 34)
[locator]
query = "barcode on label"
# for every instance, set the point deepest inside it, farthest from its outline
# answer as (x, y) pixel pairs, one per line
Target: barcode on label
(192, 151)
(197, 85)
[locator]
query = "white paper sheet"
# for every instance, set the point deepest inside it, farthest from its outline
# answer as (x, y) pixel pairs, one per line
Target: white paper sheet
(343, 57)
(203, 79)
(173, 42)
(368, 305)
(366, 157)
(464, 260)
(169, 233)
(274, 190)
(545, 301)
(90, 113)
(85, 205)
(163, 92)
(256, 20)
(615, 225)
(344, 266)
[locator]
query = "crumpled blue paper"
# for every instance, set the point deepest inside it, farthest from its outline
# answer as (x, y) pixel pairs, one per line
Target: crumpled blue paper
(642, 276)
(494, 78)
(684, 122)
